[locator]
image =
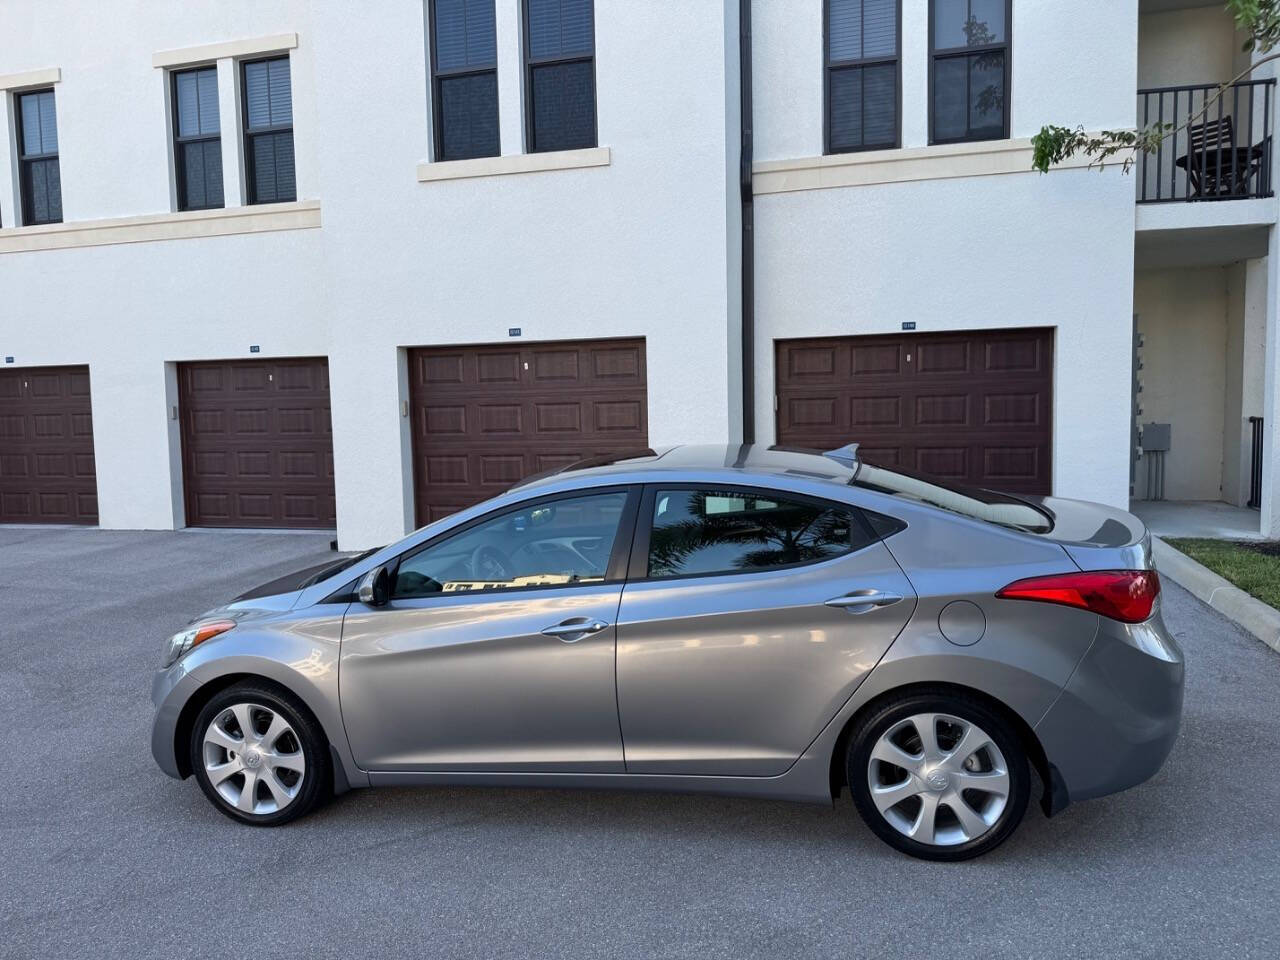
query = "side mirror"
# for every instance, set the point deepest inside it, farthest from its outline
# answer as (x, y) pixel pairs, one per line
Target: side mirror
(375, 587)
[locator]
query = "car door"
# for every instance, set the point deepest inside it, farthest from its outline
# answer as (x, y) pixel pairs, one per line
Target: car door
(749, 618)
(496, 648)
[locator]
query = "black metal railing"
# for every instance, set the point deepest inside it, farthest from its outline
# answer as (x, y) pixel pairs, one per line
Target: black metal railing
(1221, 147)
(1255, 465)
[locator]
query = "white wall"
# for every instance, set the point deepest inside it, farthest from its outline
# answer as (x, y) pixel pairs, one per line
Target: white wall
(1193, 46)
(1183, 318)
(964, 253)
(1072, 63)
(637, 248)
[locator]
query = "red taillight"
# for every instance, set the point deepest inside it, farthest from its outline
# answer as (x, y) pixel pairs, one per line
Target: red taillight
(1124, 595)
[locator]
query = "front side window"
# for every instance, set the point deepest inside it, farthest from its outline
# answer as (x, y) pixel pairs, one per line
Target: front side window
(41, 182)
(862, 75)
(197, 140)
(464, 64)
(969, 86)
(268, 131)
(560, 76)
(549, 544)
(708, 531)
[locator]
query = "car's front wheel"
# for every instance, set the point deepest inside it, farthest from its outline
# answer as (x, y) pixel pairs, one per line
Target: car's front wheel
(938, 776)
(259, 755)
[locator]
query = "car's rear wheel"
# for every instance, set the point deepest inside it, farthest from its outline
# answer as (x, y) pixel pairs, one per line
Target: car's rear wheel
(259, 755)
(938, 776)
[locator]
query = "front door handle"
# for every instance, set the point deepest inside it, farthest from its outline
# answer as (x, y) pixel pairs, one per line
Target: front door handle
(864, 601)
(575, 629)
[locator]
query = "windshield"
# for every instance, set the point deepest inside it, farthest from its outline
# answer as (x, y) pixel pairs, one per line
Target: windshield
(974, 502)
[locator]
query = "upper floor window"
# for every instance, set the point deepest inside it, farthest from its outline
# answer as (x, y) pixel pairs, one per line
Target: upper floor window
(560, 81)
(862, 75)
(464, 70)
(969, 70)
(197, 140)
(268, 131)
(708, 531)
(41, 183)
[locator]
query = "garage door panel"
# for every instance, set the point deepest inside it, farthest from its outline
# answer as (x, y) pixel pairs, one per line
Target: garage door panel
(622, 364)
(942, 357)
(498, 419)
(973, 407)
(46, 425)
(942, 410)
(257, 443)
(486, 417)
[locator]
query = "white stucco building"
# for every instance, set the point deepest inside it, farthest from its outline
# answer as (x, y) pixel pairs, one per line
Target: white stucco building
(336, 265)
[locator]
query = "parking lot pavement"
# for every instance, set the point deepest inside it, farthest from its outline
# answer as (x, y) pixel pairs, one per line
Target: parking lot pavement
(104, 856)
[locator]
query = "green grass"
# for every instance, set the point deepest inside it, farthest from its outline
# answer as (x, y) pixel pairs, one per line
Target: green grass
(1253, 567)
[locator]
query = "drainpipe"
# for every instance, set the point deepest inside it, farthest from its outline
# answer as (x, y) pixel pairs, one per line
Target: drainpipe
(748, 224)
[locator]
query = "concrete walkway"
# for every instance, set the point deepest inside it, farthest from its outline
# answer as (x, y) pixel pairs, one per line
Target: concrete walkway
(1198, 518)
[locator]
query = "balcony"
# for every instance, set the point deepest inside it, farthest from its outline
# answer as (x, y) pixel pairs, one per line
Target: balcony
(1222, 148)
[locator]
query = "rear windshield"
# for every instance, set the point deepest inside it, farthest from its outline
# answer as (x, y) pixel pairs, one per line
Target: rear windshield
(979, 504)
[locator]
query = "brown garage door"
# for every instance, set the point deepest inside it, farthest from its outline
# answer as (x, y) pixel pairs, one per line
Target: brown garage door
(257, 444)
(46, 446)
(485, 417)
(971, 407)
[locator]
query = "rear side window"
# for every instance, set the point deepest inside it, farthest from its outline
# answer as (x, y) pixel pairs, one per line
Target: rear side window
(705, 531)
(974, 502)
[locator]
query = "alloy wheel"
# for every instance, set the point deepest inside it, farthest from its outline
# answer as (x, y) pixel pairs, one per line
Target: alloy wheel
(938, 779)
(253, 758)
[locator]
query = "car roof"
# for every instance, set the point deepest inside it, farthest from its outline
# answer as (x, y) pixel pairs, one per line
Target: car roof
(735, 461)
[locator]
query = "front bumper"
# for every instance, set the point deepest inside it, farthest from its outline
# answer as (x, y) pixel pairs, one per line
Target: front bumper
(1118, 717)
(164, 725)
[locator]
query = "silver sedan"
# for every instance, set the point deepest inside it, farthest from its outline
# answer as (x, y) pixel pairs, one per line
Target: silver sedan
(737, 620)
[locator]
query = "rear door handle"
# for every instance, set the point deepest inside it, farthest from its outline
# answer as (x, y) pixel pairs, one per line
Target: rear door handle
(575, 629)
(864, 601)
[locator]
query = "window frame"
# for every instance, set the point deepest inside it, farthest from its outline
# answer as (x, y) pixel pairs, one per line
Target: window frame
(26, 159)
(615, 571)
(948, 53)
(247, 135)
(638, 566)
(179, 162)
(437, 116)
(530, 63)
(829, 67)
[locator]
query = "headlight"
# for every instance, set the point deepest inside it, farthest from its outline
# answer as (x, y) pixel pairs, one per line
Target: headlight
(182, 643)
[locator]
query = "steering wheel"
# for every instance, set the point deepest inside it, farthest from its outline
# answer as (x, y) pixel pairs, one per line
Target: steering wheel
(489, 563)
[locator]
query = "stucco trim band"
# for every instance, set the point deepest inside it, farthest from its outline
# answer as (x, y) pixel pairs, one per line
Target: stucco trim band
(227, 49)
(31, 78)
(899, 166)
(264, 218)
(513, 163)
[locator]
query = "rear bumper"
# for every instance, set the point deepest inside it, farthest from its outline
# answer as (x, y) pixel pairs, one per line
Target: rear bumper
(1118, 717)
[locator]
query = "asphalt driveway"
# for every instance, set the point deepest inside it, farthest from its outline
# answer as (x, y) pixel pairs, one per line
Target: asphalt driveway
(101, 855)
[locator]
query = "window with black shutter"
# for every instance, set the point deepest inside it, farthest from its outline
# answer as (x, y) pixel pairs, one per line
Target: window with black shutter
(268, 131)
(560, 78)
(41, 182)
(197, 140)
(969, 70)
(464, 87)
(862, 75)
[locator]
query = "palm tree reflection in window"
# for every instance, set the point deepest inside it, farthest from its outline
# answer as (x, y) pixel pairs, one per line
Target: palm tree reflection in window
(710, 531)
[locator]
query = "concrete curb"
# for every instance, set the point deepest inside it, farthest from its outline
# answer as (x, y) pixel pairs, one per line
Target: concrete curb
(1229, 600)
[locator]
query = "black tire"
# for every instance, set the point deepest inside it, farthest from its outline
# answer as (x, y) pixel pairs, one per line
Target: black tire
(317, 779)
(892, 711)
